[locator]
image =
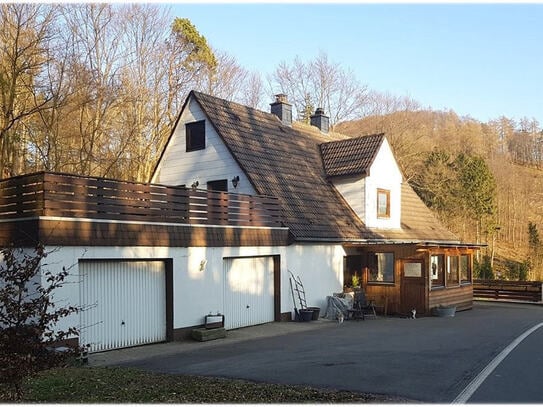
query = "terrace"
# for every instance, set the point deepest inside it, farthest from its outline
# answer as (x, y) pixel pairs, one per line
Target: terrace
(61, 207)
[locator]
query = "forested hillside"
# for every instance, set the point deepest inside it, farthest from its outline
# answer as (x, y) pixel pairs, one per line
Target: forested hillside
(95, 89)
(483, 180)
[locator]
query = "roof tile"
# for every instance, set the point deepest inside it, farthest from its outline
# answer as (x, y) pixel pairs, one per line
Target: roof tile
(293, 163)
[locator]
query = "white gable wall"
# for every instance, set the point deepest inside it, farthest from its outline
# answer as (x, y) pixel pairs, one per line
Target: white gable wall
(361, 192)
(179, 167)
(384, 174)
(353, 190)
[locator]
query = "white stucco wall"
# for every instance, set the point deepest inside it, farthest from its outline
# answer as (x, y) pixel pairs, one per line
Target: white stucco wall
(353, 190)
(197, 292)
(320, 268)
(384, 174)
(179, 167)
(361, 192)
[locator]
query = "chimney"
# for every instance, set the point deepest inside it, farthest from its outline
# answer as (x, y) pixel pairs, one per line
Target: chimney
(320, 120)
(282, 109)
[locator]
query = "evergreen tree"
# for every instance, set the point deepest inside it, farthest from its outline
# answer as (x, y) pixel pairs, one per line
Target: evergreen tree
(535, 253)
(477, 190)
(483, 269)
(305, 114)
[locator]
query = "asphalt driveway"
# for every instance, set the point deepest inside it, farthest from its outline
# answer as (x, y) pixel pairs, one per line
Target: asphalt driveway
(428, 359)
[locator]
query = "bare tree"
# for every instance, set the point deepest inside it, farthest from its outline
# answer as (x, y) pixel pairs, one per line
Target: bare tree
(325, 84)
(253, 92)
(95, 61)
(144, 90)
(26, 30)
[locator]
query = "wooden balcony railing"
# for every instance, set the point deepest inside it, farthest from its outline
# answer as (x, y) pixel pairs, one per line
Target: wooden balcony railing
(508, 290)
(63, 195)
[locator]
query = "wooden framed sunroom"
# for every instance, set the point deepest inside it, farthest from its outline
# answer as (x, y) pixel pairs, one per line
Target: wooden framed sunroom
(407, 276)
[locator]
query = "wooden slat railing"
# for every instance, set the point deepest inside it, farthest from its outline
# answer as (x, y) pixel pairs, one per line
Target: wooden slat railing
(53, 194)
(508, 290)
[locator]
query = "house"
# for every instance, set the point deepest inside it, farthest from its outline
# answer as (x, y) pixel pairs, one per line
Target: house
(148, 262)
(238, 199)
(345, 203)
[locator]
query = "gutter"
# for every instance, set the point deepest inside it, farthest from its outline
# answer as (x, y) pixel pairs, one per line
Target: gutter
(449, 243)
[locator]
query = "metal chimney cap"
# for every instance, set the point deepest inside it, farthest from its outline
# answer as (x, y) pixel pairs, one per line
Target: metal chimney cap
(281, 97)
(319, 111)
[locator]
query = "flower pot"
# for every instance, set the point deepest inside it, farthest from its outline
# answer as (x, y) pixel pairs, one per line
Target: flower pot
(304, 315)
(445, 311)
(316, 313)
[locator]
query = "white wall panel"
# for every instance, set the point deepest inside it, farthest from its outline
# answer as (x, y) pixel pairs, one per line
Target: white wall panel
(215, 162)
(320, 267)
(198, 275)
(124, 303)
(384, 174)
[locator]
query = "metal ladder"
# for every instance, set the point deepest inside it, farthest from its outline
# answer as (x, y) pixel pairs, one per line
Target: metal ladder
(299, 289)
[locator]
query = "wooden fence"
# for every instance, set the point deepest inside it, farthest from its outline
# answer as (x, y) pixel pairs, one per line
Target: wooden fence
(508, 290)
(63, 195)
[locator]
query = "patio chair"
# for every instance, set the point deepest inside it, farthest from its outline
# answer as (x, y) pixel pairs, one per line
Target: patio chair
(361, 307)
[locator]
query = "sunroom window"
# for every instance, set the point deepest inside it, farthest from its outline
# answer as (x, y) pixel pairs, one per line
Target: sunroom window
(381, 268)
(465, 269)
(437, 273)
(453, 263)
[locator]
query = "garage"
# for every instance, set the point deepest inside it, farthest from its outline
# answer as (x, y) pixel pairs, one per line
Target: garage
(124, 303)
(248, 291)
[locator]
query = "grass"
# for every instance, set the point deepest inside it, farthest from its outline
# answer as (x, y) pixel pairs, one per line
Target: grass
(124, 385)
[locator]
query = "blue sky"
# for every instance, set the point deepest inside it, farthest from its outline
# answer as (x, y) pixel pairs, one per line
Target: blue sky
(481, 60)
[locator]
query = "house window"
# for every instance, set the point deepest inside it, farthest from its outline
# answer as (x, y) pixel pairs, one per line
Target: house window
(381, 268)
(195, 135)
(437, 273)
(453, 272)
(218, 185)
(383, 203)
(465, 269)
(352, 271)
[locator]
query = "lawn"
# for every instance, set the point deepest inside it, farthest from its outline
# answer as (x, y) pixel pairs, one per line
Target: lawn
(123, 385)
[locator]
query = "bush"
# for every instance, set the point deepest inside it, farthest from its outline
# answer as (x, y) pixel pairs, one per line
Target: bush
(28, 317)
(483, 270)
(518, 271)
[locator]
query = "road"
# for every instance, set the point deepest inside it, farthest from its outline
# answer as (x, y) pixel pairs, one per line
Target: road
(427, 360)
(517, 378)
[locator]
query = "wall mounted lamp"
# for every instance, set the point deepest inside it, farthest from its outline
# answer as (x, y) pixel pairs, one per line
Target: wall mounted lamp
(195, 185)
(235, 181)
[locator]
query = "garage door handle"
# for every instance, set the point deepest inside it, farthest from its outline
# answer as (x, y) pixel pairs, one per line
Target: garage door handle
(248, 307)
(122, 323)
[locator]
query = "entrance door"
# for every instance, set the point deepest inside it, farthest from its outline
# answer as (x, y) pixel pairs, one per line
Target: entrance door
(413, 290)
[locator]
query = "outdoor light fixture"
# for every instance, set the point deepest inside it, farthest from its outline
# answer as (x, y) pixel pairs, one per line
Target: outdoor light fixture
(195, 185)
(235, 181)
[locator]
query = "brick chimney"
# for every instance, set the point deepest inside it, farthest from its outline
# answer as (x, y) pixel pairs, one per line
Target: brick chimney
(320, 120)
(282, 109)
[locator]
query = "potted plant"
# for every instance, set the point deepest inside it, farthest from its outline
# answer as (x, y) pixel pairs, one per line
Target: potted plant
(444, 310)
(355, 281)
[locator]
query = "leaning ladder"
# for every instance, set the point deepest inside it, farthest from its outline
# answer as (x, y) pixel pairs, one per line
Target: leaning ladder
(299, 288)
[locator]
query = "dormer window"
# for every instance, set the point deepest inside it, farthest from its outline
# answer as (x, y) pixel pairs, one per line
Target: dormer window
(383, 203)
(195, 135)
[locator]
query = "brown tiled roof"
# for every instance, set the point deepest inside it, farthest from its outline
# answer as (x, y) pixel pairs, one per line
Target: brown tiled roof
(351, 156)
(418, 223)
(285, 162)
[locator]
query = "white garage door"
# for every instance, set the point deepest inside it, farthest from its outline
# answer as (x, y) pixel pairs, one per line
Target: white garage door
(124, 303)
(248, 291)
